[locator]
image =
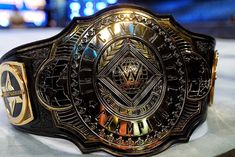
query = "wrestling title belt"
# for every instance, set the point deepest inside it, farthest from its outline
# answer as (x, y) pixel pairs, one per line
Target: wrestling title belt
(125, 81)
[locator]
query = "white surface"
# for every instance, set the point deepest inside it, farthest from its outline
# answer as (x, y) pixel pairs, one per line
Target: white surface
(219, 130)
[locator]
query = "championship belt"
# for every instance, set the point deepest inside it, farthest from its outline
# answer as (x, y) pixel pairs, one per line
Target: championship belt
(125, 81)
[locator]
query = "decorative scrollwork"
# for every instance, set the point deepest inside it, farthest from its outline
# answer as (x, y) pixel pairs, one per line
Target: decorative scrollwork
(37, 56)
(110, 53)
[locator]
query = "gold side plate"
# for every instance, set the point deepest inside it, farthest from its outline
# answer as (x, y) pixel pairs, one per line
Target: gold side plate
(14, 91)
(213, 77)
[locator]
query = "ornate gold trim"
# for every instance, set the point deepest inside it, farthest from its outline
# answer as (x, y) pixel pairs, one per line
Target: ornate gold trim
(213, 77)
(16, 70)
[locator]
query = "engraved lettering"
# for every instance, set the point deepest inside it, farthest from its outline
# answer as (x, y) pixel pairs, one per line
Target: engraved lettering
(124, 28)
(111, 31)
(100, 39)
(130, 127)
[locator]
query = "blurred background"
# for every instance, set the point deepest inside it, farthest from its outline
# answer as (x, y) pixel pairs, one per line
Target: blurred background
(213, 17)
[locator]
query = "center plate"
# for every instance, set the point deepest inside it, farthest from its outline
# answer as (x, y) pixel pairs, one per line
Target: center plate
(129, 80)
(133, 83)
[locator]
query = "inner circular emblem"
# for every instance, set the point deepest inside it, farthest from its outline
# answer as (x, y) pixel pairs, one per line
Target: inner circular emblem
(130, 75)
(128, 81)
(127, 78)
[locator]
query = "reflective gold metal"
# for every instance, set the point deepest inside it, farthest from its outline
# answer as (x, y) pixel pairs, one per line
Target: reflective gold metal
(14, 91)
(213, 77)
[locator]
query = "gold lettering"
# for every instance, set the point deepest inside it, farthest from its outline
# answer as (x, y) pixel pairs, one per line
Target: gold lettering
(100, 39)
(130, 127)
(111, 31)
(124, 28)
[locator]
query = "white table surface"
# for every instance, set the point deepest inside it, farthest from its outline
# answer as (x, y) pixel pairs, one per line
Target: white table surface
(219, 138)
